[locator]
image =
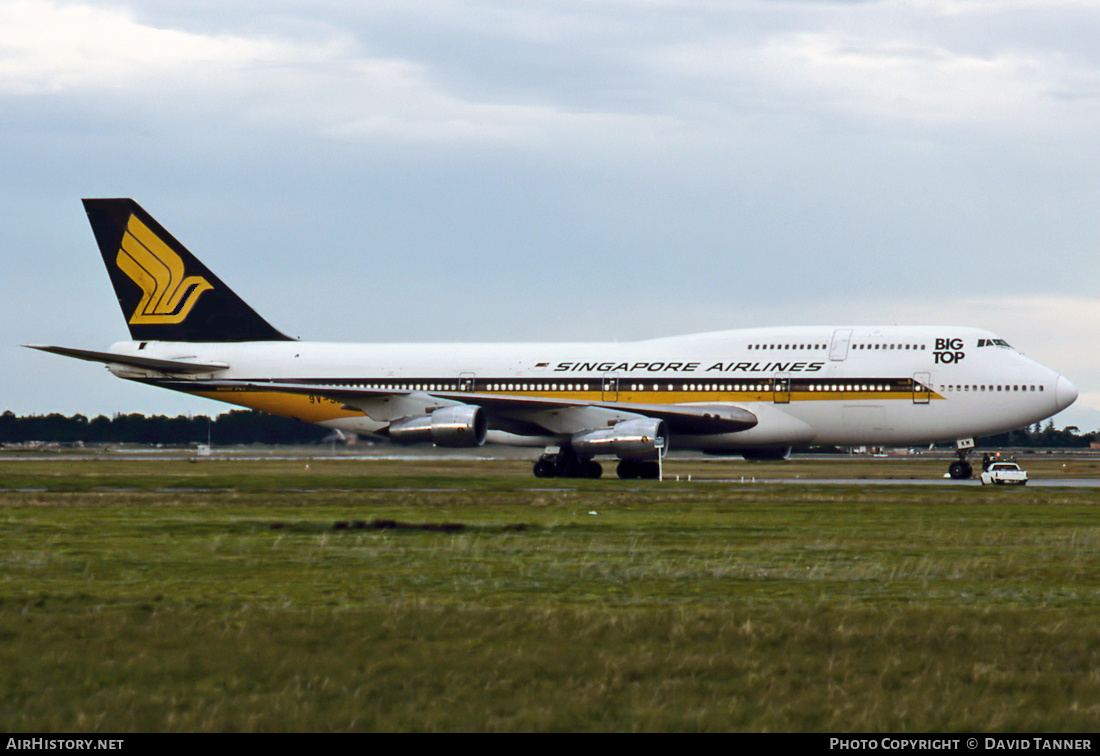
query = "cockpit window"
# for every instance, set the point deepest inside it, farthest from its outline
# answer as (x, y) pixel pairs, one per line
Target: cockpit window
(993, 342)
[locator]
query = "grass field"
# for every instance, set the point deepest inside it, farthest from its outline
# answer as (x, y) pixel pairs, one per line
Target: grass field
(466, 595)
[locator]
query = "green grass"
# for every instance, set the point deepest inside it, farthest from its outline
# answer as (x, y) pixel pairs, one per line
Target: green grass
(169, 596)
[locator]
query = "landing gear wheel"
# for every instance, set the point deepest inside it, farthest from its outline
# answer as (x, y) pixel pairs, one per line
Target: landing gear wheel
(627, 469)
(592, 469)
(566, 464)
(960, 470)
(630, 469)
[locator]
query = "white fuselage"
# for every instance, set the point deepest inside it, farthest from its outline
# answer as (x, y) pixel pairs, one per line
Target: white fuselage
(857, 385)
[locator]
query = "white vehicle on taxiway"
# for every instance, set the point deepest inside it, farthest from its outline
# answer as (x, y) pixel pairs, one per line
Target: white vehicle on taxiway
(1004, 473)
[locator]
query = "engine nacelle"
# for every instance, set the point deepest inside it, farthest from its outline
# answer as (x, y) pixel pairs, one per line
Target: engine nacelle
(631, 439)
(461, 426)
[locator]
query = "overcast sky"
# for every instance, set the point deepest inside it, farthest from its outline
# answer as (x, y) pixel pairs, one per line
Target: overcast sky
(451, 171)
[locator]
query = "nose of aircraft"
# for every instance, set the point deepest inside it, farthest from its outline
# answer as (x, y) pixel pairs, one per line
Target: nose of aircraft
(1065, 393)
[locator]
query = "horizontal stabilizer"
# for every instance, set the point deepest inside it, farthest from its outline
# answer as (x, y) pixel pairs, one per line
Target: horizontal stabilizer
(145, 363)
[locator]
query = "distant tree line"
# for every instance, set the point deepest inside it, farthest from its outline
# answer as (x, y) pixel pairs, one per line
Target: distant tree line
(234, 427)
(1044, 437)
(253, 427)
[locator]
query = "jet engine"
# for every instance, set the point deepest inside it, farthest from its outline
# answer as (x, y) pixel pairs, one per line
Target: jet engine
(460, 426)
(631, 439)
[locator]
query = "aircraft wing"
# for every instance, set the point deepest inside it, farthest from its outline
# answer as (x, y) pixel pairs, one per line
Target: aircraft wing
(691, 419)
(549, 414)
(183, 366)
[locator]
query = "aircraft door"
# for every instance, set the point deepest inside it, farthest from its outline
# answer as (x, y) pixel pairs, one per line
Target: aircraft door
(610, 389)
(466, 382)
(839, 348)
(781, 387)
(922, 388)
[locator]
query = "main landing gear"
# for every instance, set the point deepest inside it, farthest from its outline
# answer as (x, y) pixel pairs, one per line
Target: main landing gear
(566, 464)
(630, 469)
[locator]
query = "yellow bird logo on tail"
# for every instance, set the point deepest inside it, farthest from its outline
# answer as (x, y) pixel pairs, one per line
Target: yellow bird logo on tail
(169, 294)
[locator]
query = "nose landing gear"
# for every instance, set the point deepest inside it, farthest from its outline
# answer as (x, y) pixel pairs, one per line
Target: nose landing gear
(961, 469)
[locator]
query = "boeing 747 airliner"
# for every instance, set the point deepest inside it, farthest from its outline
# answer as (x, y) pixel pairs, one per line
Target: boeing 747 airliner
(751, 392)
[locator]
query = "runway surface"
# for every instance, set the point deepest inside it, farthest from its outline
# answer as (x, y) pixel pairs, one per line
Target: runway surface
(1041, 483)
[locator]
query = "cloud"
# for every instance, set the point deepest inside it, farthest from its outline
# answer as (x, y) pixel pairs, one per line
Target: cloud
(673, 75)
(48, 47)
(878, 74)
(327, 86)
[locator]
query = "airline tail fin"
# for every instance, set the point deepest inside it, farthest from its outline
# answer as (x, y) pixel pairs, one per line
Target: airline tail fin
(165, 293)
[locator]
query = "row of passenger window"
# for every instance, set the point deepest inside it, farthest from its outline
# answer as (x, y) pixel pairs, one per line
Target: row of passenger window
(826, 387)
(701, 387)
(633, 387)
(538, 387)
(983, 387)
(850, 387)
(914, 347)
(704, 387)
(788, 346)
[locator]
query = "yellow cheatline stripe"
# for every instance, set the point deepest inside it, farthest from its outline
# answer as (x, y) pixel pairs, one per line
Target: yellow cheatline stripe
(311, 409)
(316, 409)
(319, 408)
